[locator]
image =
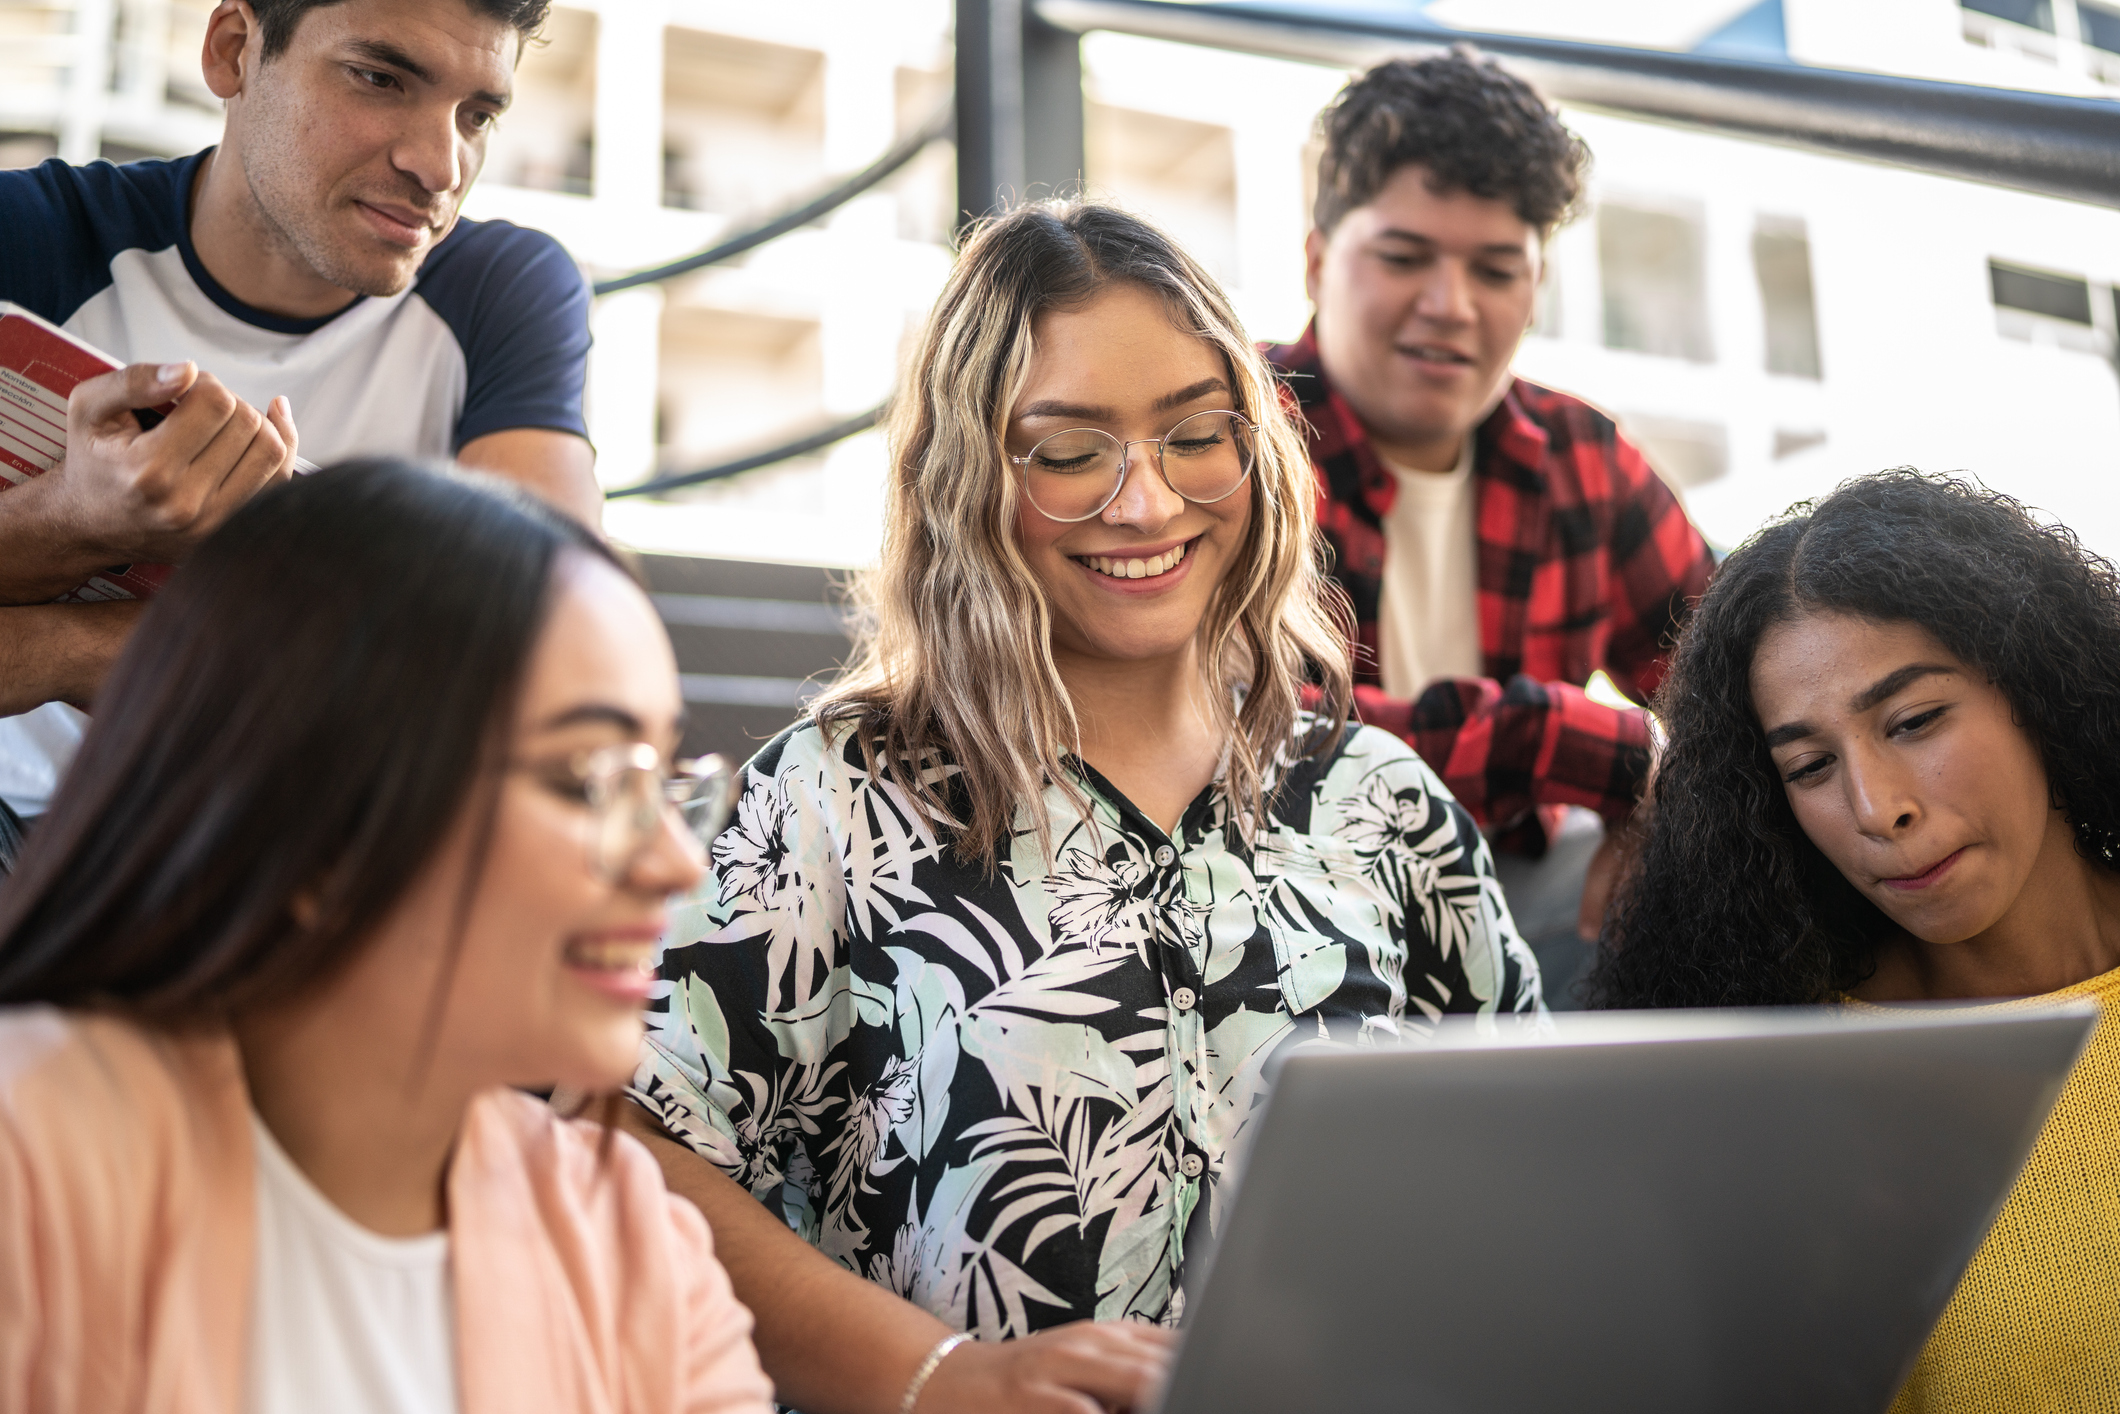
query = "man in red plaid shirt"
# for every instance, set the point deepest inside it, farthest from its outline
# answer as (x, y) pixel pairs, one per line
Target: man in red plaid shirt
(1501, 542)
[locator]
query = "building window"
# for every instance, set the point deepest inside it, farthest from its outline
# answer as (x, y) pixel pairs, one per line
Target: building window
(1655, 290)
(2100, 27)
(2036, 292)
(1788, 441)
(2032, 14)
(2042, 307)
(1781, 257)
(2078, 36)
(1686, 454)
(2023, 27)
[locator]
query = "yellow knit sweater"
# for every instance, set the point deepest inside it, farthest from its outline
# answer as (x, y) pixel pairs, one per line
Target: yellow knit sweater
(2035, 1324)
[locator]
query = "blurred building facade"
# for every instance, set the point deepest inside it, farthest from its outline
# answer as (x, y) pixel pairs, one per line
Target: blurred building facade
(1765, 320)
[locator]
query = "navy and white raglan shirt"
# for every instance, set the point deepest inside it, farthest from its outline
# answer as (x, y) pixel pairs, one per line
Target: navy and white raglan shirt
(492, 335)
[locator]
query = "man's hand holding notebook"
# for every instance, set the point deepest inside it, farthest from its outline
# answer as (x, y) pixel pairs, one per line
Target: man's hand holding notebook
(128, 468)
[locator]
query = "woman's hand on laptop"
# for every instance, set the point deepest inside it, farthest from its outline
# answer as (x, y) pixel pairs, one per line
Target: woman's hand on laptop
(1088, 1367)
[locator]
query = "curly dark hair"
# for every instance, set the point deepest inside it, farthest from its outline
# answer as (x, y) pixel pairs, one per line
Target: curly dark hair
(1474, 125)
(1729, 903)
(278, 19)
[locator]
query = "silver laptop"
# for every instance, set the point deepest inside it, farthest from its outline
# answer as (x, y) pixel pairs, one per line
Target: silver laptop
(1729, 1211)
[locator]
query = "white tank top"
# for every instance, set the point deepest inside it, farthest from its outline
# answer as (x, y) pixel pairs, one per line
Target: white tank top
(343, 1320)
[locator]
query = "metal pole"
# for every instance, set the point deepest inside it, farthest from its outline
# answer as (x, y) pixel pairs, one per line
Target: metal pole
(989, 105)
(1052, 107)
(1019, 106)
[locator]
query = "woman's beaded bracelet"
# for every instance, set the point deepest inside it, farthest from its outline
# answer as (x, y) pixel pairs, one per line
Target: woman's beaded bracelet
(927, 1368)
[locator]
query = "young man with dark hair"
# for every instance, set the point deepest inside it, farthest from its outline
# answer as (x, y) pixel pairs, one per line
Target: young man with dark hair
(1501, 542)
(312, 264)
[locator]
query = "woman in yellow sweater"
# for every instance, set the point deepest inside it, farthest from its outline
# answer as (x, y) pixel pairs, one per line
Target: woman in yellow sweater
(1892, 774)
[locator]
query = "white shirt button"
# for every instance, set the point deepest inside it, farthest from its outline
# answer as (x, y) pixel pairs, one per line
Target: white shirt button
(1165, 855)
(1183, 999)
(1190, 1166)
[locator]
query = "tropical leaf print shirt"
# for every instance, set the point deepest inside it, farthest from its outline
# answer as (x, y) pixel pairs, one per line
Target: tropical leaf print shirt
(1012, 1099)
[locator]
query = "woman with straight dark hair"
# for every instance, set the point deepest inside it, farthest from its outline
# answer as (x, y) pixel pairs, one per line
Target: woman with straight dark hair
(1893, 775)
(373, 823)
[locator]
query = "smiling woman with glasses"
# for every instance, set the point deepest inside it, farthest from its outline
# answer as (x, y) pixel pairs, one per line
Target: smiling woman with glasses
(374, 829)
(964, 1037)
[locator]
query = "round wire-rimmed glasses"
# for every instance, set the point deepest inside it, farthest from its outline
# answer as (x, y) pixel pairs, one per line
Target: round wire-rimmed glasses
(628, 792)
(1072, 475)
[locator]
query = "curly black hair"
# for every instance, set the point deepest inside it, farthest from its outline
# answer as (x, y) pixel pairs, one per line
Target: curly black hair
(1475, 126)
(1729, 903)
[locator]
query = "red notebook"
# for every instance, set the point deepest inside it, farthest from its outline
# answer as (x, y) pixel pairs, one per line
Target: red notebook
(40, 364)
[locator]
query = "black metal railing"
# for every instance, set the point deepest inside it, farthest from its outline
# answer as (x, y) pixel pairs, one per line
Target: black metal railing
(787, 451)
(939, 126)
(2048, 143)
(2051, 144)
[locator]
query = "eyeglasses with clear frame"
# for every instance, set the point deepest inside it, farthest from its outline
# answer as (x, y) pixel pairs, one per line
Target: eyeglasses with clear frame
(1074, 474)
(628, 794)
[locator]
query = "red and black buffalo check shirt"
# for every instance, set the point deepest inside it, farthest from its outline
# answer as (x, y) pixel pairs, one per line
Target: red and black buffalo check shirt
(1586, 561)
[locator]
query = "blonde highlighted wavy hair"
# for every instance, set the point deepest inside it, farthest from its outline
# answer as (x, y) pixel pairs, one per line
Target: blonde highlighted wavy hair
(954, 655)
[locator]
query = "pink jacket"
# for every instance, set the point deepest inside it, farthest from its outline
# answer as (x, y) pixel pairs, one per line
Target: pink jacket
(127, 1222)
